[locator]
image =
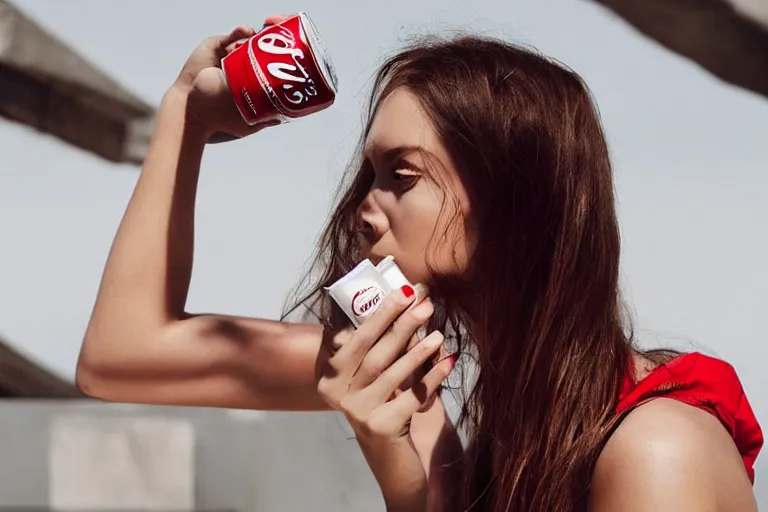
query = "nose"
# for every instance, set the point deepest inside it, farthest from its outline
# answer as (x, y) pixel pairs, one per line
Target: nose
(373, 221)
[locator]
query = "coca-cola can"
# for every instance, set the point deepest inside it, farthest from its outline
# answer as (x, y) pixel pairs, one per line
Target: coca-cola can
(281, 73)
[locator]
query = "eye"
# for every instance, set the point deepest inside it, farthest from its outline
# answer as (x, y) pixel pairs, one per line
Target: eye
(405, 175)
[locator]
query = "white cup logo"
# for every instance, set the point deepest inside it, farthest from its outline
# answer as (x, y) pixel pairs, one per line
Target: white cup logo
(365, 301)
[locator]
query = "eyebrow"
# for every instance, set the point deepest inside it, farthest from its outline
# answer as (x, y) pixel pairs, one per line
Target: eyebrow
(396, 152)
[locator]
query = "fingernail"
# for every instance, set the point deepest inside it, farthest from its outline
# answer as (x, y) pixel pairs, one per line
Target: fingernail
(422, 311)
(433, 341)
(407, 291)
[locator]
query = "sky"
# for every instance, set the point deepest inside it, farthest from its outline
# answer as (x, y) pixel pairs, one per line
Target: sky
(690, 156)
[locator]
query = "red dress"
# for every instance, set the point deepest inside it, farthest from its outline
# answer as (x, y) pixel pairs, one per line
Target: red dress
(709, 384)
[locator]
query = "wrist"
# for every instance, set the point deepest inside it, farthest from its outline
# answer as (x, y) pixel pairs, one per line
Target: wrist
(175, 104)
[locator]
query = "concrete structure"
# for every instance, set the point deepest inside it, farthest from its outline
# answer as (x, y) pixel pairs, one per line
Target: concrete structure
(84, 455)
(22, 378)
(48, 86)
(729, 38)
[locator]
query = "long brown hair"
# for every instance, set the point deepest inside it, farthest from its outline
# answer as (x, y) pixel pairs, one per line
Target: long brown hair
(540, 300)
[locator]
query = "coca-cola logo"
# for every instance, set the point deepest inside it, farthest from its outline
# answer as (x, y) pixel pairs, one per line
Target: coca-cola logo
(365, 301)
(294, 81)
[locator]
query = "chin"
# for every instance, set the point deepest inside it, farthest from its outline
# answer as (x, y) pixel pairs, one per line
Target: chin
(374, 256)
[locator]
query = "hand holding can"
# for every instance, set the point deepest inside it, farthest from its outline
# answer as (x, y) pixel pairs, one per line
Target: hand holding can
(281, 73)
(281, 70)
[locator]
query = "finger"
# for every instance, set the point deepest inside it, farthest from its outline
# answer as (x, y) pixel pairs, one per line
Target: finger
(333, 340)
(274, 19)
(347, 360)
(239, 32)
(411, 401)
(422, 292)
(415, 339)
(392, 344)
(234, 46)
(389, 380)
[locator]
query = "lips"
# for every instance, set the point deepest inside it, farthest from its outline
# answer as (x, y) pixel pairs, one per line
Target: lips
(367, 251)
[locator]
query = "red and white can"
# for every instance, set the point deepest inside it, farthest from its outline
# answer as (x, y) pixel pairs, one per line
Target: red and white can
(281, 73)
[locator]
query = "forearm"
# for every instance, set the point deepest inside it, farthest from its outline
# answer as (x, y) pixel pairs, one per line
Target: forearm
(146, 279)
(439, 447)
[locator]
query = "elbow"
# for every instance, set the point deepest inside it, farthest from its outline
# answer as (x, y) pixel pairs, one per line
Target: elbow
(89, 377)
(116, 367)
(94, 382)
(96, 371)
(85, 382)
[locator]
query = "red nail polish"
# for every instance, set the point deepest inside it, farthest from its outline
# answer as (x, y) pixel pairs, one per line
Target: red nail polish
(407, 291)
(453, 358)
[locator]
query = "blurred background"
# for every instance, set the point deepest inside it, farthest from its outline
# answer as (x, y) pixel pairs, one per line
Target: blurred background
(683, 91)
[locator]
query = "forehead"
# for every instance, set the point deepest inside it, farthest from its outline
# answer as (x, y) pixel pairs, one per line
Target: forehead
(401, 122)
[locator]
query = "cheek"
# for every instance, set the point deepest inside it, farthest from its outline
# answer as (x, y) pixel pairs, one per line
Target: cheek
(449, 251)
(428, 234)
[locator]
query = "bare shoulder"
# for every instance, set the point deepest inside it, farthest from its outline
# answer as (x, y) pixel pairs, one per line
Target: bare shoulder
(667, 455)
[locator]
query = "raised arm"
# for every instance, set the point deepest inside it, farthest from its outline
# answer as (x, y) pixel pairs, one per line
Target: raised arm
(141, 345)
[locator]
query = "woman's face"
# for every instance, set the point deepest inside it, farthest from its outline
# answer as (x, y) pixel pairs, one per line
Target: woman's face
(417, 206)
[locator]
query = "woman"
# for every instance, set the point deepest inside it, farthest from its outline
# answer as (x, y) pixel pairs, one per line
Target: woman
(484, 171)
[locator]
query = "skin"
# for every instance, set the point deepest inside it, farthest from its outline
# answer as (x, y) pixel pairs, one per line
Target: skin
(667, 455)
(142, 346)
